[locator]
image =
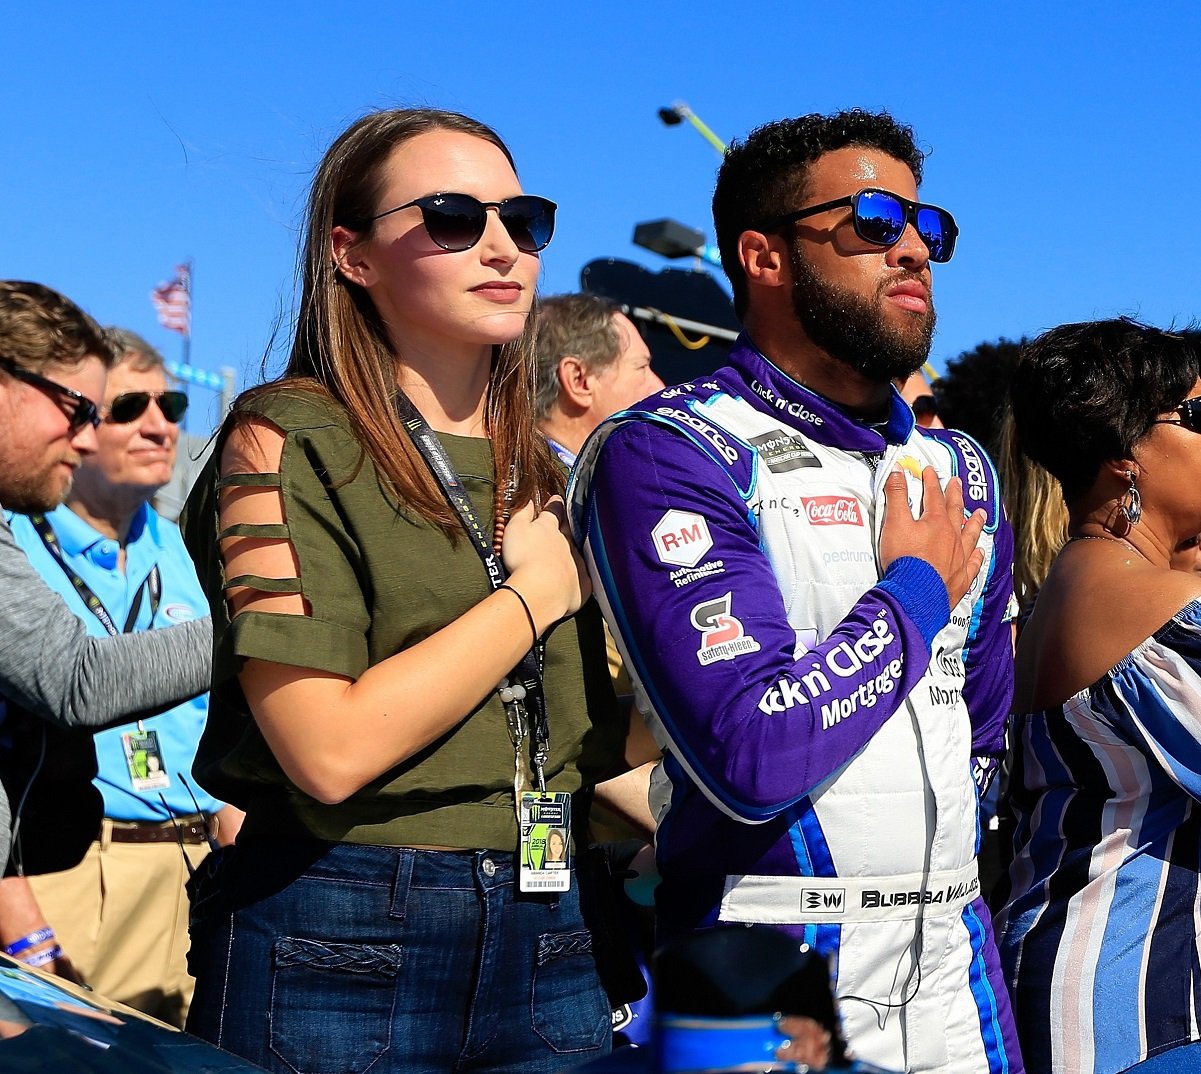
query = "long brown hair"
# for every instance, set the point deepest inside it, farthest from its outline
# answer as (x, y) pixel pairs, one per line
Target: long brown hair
(341, 346)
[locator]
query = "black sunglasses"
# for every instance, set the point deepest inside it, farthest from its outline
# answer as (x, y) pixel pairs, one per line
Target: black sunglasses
(880, 217)
(79, 409)
(456, 222)
(129, 406)
(1190, 415)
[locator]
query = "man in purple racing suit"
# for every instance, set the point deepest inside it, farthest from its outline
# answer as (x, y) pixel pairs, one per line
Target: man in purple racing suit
(814, 623)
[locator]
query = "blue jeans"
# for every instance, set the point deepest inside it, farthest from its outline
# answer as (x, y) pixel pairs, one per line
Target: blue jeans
(321, 958)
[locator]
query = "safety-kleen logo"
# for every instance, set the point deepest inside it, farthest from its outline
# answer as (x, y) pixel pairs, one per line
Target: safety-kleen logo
(722, 634)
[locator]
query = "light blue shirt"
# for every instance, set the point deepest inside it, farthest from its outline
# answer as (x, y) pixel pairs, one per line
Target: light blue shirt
(93, 557)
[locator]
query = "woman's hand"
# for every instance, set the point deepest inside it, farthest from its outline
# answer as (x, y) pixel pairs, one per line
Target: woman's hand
(543, 563)
(940, 535)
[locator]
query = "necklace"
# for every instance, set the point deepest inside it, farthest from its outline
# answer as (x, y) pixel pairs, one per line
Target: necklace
(501, 508)
(1112, 540)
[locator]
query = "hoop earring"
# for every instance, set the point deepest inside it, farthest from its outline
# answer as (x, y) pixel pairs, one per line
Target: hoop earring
(1131, 509)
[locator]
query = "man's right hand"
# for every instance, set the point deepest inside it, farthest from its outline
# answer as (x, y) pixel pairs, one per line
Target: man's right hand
(20, 916)
(940, 535)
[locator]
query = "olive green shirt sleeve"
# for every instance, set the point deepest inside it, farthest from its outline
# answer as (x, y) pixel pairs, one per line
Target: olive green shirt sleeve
(319, 456)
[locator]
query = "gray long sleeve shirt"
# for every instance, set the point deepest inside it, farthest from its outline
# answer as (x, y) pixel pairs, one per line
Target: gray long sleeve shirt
(51, 666)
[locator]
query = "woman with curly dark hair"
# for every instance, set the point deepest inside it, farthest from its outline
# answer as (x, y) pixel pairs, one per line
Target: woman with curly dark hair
(1099, 933)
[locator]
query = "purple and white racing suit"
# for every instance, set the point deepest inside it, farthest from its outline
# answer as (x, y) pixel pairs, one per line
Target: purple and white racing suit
(826, 727)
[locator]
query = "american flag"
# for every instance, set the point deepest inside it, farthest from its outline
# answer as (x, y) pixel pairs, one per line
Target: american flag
(173, 301)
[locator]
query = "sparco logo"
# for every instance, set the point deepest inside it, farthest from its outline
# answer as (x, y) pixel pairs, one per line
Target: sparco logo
(709, 432)
(975, 479)
(832, 510)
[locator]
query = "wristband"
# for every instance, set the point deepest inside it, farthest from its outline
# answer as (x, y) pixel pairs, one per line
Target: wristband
(42, 957)
(528, 614)
(32, 940)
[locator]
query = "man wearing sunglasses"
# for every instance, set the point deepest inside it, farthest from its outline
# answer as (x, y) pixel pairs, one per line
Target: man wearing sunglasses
(122, 912)
(814, 620)
(53, 674)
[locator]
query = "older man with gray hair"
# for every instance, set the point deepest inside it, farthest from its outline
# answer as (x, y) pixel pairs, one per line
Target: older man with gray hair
(591, 363)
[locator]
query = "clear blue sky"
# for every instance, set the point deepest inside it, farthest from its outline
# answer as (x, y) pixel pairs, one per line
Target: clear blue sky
(1065, 137)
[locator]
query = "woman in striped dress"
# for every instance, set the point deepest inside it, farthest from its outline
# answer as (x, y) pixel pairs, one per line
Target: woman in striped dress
(1100, 926)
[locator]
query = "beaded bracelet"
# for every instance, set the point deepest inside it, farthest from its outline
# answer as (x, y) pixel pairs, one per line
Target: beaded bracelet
(42, 957)
(32, 940)
(528, 614)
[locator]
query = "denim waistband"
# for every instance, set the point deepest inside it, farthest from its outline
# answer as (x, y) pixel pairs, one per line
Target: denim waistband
(267, 864)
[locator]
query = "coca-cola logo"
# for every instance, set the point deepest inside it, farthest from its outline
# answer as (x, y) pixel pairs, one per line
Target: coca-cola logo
(832, 511)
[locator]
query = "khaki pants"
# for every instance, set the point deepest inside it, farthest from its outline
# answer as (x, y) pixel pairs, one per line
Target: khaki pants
(121, 916)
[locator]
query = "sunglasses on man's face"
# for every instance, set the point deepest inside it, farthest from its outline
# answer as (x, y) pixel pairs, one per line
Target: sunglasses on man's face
(880, 217)
(456, 222)
(79, 409)
(1190, 415)
(129, 406)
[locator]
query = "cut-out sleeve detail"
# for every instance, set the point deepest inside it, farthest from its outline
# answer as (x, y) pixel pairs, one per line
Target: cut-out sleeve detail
(250, 480)
(265, 585)
(255, 529)
(291, 573)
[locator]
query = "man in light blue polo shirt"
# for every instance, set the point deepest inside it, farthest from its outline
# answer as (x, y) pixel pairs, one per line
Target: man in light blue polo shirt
(121, 914)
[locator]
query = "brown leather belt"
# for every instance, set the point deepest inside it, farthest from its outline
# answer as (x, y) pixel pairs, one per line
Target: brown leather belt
(194, 828)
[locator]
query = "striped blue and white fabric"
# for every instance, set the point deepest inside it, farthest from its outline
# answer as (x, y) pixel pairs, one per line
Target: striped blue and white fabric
(1099, 934)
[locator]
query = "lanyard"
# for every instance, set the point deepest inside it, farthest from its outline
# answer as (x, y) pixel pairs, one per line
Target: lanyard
(528, 672)
(151, 584)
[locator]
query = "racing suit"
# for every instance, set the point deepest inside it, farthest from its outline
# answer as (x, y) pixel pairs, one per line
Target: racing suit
(826, 728)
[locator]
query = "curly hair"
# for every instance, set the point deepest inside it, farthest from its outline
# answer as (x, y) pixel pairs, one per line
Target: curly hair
(1086, 394)
(765, 175)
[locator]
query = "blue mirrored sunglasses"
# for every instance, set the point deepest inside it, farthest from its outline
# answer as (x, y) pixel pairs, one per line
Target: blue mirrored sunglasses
(880, 217)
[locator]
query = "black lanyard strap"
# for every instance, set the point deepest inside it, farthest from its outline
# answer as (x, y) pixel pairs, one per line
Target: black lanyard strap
(152, 583)
(529, 670)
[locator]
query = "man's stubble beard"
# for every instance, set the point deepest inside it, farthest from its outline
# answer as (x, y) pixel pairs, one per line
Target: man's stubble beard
(32, 494)
(852, 330)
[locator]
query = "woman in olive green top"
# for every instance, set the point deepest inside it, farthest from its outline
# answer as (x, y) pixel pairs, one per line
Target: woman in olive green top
(375, 700)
